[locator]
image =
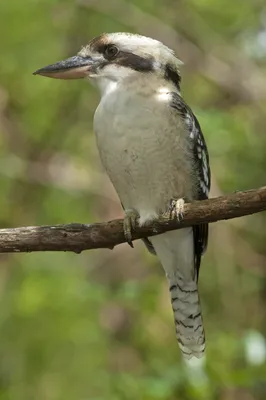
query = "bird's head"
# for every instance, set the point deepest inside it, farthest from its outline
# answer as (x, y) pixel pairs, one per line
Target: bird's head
(117, 56)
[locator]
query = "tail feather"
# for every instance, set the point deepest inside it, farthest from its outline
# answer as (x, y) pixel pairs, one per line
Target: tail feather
(175, 251)
(188, 319)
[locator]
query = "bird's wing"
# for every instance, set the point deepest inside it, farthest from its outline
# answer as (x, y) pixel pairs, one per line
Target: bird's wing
(201, 158)
(202, 168)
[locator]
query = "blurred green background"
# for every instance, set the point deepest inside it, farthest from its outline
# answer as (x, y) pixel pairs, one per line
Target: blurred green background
(99, 325)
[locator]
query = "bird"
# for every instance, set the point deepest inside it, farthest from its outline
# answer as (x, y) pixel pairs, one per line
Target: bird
(151, 146)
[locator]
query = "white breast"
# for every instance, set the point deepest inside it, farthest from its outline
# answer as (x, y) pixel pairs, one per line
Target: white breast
(144, 149)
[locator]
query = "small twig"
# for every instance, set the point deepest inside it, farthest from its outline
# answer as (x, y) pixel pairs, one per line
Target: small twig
(78, 237)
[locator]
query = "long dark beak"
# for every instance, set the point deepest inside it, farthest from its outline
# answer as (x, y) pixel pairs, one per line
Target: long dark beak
(72, 68)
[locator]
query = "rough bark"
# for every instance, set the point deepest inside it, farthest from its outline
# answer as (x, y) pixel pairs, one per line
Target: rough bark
(78, 237)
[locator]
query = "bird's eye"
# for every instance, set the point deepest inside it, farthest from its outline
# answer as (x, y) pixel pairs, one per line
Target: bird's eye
(111, 52)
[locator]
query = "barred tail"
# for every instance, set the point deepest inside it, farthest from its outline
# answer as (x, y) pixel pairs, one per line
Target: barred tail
(175, 250)
(188, 319)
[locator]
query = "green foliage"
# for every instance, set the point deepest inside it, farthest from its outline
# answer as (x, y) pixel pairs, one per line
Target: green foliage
(99, 325)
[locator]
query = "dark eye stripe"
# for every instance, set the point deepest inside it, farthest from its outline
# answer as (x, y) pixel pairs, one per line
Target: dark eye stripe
(123, 58)
(127, 59)
(134, 61)
(101, 48)
(172, 75)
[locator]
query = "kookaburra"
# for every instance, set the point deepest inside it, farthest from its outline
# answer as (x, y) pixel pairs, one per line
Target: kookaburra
(153, 150)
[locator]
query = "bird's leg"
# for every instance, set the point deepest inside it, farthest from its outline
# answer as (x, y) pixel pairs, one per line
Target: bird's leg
(176, 209)
(130, 222)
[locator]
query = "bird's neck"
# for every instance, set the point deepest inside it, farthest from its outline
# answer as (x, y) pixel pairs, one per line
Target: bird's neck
(140, 84)
(106, 86)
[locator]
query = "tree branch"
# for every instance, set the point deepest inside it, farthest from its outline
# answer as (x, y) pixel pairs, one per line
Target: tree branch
(78, 237)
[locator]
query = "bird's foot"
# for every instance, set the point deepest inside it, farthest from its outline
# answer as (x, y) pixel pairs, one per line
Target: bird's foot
(176, 209)
(130, 222)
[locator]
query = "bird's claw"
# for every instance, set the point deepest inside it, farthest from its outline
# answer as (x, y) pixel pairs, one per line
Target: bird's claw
(176, 209)
(130, 222)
